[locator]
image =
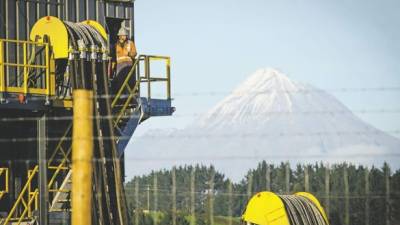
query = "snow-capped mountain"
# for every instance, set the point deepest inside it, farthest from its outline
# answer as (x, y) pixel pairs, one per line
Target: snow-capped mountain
(269, 117)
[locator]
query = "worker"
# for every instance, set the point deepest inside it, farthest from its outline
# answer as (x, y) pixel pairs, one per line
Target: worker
(125, 50)
(125, 54)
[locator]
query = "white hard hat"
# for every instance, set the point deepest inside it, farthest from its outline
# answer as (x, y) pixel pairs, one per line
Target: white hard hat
(123, 31)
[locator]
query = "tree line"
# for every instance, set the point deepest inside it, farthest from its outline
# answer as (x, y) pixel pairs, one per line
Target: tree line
(199, 194)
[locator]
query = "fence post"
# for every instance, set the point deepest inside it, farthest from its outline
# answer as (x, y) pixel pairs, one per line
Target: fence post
(211, 197)
(249, 186)
(268, 177)
(173, 196)
(193, 196)
(327, 190)
(387, 184)
(306, 179)
(155, 196)
(287, 177)
(366, 196)
(148, 197)
(137, 201)
(346, 196)
(230, 202)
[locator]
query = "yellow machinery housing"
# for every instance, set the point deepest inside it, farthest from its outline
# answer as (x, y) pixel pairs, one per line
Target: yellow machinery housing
(267, 208)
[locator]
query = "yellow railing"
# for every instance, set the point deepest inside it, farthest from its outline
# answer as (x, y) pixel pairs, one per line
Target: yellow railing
(22, 71)
(145, 77)
(26, 204)
(4, 190)
(148, 78)
(142, 77)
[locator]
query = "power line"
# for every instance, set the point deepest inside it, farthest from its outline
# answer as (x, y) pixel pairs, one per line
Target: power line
(208, 135)
(247, 92)
(299, 91)
(321, 157)
(280, 113)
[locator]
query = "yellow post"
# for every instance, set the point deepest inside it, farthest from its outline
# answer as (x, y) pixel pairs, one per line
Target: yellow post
(25, 68)
(2, 80)
(82, 154)
(168, 78)
(48, 86)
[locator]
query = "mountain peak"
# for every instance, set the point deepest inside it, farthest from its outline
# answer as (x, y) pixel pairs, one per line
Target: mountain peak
(266, 79)
(269, 117)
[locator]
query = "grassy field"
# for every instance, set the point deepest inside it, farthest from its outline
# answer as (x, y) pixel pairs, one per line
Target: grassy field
(223, 220)
(218, 220)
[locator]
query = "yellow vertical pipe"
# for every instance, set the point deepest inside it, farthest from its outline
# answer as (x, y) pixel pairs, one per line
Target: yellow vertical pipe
(2, 80)
(25, 68)
(147, 74)
(82, 154)
(168, 78)
(29, 192)
(47, 64)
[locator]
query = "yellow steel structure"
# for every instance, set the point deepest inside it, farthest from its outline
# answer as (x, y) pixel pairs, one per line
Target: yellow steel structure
(56, 31)
(26, 66)
(4, 190)
(82, 154)
(267, 208)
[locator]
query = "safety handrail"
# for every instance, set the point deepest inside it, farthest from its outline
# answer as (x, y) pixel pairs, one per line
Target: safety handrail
(20, 200)
(4, 171)
(26, 65)
(148, 78)
(125, 83)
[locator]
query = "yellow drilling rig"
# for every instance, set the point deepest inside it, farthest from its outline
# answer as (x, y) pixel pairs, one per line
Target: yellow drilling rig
(48, 49)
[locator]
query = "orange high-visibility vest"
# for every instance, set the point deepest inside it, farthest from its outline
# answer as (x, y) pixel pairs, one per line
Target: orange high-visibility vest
(126, 52)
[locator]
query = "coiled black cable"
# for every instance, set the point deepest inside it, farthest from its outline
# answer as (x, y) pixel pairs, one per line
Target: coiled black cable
(302, 211)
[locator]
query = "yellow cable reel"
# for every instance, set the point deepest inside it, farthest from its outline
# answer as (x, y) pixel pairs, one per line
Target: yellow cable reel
(267, 208)
(55, 29)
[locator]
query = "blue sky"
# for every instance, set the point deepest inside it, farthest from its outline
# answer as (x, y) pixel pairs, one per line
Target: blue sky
(216, 44)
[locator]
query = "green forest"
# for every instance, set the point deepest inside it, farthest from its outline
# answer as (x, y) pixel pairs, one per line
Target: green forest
(200, 195)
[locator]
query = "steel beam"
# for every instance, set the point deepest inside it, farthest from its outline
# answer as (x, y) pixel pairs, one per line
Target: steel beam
(43, 190)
